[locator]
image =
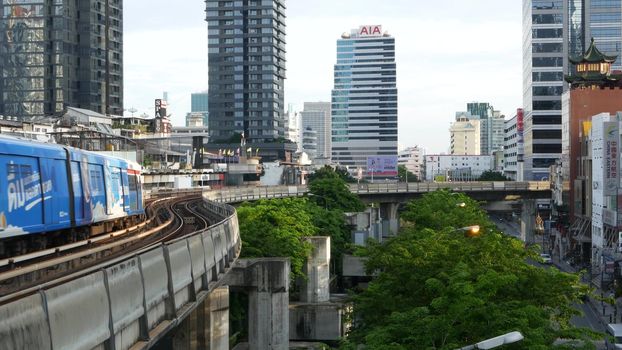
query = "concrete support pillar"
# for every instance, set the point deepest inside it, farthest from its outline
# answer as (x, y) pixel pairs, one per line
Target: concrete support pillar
(267, 283)
(182, 338)
(207, 326)
(315, 289)
(388, 213)
(217, 308)
(528, 221)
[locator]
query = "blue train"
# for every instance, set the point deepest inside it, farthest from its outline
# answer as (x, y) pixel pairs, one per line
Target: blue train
(51, 192)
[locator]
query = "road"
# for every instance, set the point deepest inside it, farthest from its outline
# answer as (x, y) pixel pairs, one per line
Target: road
(590, 318)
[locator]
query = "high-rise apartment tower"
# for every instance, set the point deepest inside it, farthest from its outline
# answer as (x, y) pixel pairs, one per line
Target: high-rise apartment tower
(246, 51)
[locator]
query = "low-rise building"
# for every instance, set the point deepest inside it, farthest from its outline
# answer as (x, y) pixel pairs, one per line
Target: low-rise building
(514, 147)
(412, 159)
(448, 167)
(465, 135)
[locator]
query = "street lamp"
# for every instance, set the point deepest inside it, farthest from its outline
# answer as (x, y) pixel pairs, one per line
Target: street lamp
(491, 343)
(469, 231)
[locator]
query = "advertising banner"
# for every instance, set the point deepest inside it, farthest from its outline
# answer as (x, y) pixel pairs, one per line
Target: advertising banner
(382, 165)
(610, 156)
(520, 128)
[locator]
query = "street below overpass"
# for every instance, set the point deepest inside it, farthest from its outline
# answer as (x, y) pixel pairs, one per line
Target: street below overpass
(590, 318)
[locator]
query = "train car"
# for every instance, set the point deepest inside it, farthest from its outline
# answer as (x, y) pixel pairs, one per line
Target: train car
(54, 192)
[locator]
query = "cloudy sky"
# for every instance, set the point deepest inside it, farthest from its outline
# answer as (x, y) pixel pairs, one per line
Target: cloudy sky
(448, 53)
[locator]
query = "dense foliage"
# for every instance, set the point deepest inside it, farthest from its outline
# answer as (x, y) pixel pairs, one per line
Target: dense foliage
(328, 189)
(437, 289)
(406, 175)
(275, 228)
(329, 172)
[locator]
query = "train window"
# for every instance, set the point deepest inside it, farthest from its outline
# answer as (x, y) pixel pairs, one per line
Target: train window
(96, 182)
(22, 172)
(132, 182)
(12, 171)
(26, 170)
(133, 185)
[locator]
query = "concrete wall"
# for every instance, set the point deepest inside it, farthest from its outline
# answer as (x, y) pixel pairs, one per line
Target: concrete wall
(132, 302)
(321, 321)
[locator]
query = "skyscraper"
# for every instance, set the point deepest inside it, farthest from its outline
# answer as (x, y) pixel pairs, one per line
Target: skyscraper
(61, 54)
(544, 59)
(554, 30)
(246, 51)
(364, 98)
(316, 115)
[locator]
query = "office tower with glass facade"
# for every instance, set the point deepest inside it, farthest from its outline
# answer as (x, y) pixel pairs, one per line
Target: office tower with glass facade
(364, 98)
(246, 52)
(483, 112)
(316, 115)
(553, 31)
(544, 59)
(59, 54)
(604, 24)
(199, 102)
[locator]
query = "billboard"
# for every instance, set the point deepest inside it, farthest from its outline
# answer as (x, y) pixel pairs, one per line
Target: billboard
(160, 108)
(520, 128)
(382, 165)
(610, 156)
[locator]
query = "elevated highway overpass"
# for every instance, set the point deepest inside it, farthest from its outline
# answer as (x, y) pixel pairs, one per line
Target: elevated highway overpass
(397, 192)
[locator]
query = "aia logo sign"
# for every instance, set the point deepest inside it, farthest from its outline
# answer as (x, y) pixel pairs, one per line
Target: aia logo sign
(370, 30)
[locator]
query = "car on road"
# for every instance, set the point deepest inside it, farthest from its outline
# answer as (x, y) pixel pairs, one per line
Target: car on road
(546, 258)
(614, 330)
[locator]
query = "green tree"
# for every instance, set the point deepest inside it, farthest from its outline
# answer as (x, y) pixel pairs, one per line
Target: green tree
(332, 197)
(275, 228)
(329, 172)
(328, 188)
(405, 174)
(441, 209)
(436, 289)
(490, 175)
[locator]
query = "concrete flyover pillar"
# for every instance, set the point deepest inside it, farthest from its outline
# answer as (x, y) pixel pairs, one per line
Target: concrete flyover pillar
(267, 282)
(389, 215)
(315, 289)
(528, 220)
(207, 326)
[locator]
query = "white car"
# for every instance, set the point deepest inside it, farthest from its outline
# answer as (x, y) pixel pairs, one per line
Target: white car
(546, 258)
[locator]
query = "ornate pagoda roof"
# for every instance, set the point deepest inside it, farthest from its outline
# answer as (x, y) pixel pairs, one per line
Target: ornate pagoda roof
(593, 55)
(593, 69)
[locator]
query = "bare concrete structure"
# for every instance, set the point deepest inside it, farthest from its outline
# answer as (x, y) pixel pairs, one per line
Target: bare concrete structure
(315, 289)
(315, 317)
(267, 283)
(528, 221)
(390, 218)
(207, 327)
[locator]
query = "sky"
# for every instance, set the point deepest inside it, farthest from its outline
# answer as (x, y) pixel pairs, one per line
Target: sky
(448, 53)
